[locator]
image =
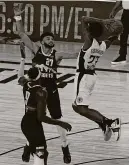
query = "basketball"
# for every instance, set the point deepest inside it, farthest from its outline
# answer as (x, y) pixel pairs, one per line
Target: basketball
(115, 27)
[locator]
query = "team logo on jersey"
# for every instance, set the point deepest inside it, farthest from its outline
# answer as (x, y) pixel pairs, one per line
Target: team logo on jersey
(79, 99)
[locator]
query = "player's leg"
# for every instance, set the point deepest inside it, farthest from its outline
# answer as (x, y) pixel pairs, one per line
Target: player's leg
(33, 131)
(121, 59)
(26, 153)
(84, 86)
(40, 156)
(53, 103)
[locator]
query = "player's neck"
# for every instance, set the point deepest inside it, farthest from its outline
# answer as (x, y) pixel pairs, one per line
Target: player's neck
(46, 50)
(98, 40)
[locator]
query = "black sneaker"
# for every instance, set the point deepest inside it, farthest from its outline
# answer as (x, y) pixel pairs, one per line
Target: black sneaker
(107, 132)
(26, 154)
(119, 60)
(106, 128)
(66, 153)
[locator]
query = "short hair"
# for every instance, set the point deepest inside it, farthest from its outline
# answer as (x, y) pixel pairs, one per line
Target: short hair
(46, 34)
(95, 29)
(33, 73)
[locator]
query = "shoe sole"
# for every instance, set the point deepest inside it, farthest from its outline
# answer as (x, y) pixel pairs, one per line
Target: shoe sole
(117, 63)
(118, 130)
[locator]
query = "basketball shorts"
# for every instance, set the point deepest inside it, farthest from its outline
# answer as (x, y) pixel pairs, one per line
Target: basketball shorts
(83, 87)
(33, 131)
(53, 100)
(53, 103)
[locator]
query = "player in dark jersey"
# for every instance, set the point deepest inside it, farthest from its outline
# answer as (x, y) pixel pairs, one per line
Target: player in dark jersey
(35, 97)
(45, 59)
(85, 77)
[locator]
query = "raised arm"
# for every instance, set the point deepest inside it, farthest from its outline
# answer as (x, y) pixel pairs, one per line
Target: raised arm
(21, 78)
(110, 40)
(85, 25)
(116, 8)
(22, 62)
(27, 41)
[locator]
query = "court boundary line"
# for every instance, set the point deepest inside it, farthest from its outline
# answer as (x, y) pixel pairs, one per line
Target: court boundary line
(56, 137)
(102, 160)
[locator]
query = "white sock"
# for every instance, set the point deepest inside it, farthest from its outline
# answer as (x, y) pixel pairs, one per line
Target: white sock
(62, 133)
(38, 161)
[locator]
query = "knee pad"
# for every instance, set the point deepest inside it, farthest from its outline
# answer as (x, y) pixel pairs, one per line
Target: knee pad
(41, 152)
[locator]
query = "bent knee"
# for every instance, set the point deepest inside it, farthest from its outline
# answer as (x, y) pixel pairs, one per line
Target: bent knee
(81, 109)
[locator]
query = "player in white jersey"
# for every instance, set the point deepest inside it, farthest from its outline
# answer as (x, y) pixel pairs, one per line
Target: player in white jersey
(85, 77)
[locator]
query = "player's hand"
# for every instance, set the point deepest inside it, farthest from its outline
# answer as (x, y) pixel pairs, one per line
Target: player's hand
(18, 9)
(22, 50)
(112, 15)
(65, 125)
(107, 24)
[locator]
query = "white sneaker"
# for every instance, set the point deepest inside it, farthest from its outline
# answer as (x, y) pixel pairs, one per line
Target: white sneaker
(116, 128)
(107, 133)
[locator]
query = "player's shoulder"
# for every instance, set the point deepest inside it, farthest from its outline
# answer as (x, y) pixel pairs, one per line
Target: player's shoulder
(33, 85)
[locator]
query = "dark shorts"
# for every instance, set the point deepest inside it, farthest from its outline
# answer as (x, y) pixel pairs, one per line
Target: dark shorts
(33, 131)
(53, 100)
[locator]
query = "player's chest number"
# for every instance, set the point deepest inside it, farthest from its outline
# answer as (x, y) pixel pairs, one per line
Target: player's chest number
(49, 62)
(93, 59)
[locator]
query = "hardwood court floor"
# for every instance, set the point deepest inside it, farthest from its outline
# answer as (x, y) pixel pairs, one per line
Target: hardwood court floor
(87, 146)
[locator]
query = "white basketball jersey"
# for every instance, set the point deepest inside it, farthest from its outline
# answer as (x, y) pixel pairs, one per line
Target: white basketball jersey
(88, 59)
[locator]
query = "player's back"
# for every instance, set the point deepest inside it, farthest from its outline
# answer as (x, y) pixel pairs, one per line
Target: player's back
(30, 94)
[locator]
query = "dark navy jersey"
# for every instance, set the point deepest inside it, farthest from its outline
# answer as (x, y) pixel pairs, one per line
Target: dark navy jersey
(29, 92)
(48, 61)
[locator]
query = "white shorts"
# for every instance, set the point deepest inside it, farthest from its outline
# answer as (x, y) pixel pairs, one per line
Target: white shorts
(84, 85)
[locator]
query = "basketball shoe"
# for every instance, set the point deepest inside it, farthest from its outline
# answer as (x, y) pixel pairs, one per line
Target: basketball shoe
(119, 60)
(26, 154)
(116, 128)
(107, 132)
(106, 129)
(66, 155)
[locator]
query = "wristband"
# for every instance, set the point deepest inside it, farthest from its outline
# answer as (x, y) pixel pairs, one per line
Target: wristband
(22, 59)
(18, 18)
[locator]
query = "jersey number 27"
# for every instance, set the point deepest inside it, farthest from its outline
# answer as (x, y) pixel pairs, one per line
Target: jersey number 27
(49, 62)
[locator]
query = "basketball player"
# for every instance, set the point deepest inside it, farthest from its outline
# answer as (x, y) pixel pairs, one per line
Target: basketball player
(35, 97)
(85, 77)
(44, 57)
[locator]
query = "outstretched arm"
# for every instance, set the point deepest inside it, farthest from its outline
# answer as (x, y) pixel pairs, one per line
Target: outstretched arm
(17, 12)
(21, 78)
(110, 40)
(85, 33)
(22, 62)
